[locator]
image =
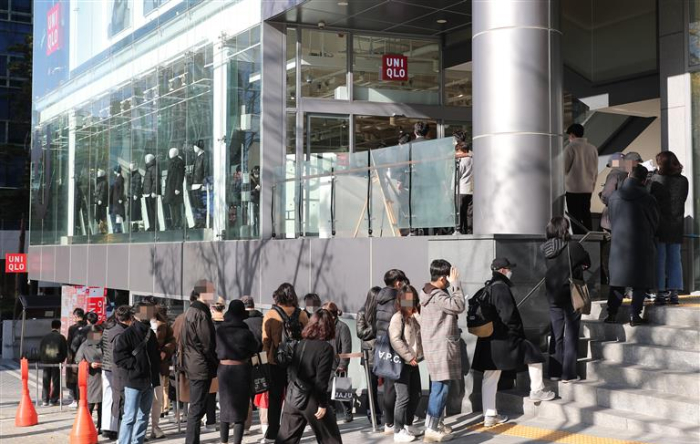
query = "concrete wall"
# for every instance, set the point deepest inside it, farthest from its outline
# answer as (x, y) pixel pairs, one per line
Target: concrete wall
(34, 330)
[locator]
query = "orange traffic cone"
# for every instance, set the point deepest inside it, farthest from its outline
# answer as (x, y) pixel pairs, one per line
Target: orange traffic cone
(26, 413)
(84, 431)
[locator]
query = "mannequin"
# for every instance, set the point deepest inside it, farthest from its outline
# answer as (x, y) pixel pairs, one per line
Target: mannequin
(151, 189)
(116, 200)
(200, 184)
(173, 187)
(255, 198)
(100, 198)
(135, 192)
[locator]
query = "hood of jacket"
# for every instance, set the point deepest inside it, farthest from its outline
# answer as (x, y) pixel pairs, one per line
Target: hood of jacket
(387, 294)
(254, 314)
(427, 293)
(632, 189)
(553, 247)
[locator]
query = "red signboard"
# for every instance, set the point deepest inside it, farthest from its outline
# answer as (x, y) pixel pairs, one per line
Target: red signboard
(395, 67)
(96, 302)
(53, 29)
(15, 263)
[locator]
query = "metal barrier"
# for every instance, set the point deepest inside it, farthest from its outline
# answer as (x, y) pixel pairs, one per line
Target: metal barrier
(370, 396)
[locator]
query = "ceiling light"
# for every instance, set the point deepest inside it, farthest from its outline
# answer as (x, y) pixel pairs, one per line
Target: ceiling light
(441, 21)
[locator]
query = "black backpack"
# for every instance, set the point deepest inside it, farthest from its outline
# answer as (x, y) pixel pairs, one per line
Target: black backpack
(291, 335)
(480, 313)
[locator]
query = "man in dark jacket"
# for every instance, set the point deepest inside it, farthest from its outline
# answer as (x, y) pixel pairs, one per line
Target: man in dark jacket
(254, 319)
(197, 352)
(506, 349)
(112, 382)
(634, 216)
(386, 307)
(174, 188)
(72, 373)
(53, 349)
(136, 356)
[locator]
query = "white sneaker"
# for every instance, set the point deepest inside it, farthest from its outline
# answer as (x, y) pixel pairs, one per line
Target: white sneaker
(415, 430)
(542, 395)
(388, 429)
(73, 404)
(436, 436)
(490, 421)
(403, 436)
(267, 441)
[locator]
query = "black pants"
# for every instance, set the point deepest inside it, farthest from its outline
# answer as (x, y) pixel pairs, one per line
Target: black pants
(278, 382)
(408, 393)
(618, 293)
(176, 216)
(117, 398)
(605, 261)
(211, 409)
(374, 381)
(151, 211)
(563, 345)
(91, 408)
(237, 432)
(199, 391)
(388, 401)
(466, 213)
(294, 421)
(73, 389)
(579, 206)
(51, 380)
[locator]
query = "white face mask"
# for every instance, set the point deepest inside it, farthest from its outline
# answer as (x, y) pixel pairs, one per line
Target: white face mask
(509, 274)
(154, 325)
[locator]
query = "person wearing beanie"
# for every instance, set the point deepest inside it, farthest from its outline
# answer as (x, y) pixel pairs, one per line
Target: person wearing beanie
(235, 345)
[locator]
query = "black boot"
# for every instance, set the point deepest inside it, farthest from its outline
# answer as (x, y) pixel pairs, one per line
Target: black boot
(612, 318)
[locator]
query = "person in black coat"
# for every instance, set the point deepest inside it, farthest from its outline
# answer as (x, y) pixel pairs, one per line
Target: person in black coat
(151, 189)
(116, 200)
(254, 320)
(342, 344)
(72, 373)
(507, 348)
(634, 216)
(670, 188)
(53, 349)
(136, 355)
(100, 197)
(112, 380)
(306, 401)
(235, 345)
(364, 328)
(566, 322)
(174, 187)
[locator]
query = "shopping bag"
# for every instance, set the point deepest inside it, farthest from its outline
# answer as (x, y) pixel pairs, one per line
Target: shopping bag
(342, 389)
(260, 379)
(387, 363)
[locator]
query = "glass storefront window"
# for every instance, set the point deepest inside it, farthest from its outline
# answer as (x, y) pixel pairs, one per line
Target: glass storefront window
(458, 85)
(243, 134)
(694, 33)
(370, 83)
(324, 64)
(291, 67)
(373, 132)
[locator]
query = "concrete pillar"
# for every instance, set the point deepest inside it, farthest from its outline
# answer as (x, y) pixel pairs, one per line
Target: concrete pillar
(517, 115)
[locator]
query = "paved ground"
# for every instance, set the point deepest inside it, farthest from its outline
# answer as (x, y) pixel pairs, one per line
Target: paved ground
(55, 426)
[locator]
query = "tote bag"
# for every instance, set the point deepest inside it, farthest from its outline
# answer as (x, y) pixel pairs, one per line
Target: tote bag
(387, 363)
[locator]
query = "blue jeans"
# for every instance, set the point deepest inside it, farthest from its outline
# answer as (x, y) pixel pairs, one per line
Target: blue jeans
(669, 268)
(137, 406)
(437, 401)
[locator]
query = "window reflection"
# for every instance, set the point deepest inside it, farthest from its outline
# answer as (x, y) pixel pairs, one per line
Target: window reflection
(324, 64)
(458, 85)
(373, 132)
(694, 33)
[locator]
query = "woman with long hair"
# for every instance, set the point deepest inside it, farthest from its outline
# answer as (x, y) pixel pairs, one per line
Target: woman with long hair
(561, 253)
(364, 326)
(404, 334)
(306, 401)
(670, 188)
(342, 344)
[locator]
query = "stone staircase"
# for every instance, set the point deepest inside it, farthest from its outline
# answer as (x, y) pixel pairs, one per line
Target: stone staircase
(643, 380)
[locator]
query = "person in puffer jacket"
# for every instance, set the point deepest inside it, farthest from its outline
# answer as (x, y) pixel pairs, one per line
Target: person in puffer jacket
(53, 349)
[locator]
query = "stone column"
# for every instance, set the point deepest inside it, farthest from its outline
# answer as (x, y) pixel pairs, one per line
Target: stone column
(517, 115)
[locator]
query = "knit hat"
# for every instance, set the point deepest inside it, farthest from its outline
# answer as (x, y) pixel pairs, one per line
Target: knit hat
(236, 311)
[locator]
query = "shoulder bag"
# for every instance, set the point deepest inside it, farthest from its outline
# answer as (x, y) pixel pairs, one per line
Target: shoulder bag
(580, 296)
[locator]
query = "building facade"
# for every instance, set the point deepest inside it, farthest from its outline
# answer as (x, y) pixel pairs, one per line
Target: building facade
(255, 142)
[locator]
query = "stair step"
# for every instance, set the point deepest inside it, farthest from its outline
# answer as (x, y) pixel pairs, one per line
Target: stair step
(517, 402)
(674, 382)
(633, 400)
(686, 338)
(646, 355)
(670, 315)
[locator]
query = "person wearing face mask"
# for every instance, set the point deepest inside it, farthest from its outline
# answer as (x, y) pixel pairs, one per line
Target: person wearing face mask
(506, 349)
(312, 303)
(166, 347)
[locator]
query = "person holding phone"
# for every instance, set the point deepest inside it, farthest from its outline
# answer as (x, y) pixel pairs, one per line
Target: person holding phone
(405, 338)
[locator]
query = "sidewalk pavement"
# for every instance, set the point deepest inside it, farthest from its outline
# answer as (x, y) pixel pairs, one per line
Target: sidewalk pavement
(55, 426)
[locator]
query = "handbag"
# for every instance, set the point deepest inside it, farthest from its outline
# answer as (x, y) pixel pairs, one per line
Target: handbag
(341, 390)
(260, 379)
(580, 296)
(387, 363)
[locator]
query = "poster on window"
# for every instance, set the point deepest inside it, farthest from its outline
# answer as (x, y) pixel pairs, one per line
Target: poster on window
(80, 296)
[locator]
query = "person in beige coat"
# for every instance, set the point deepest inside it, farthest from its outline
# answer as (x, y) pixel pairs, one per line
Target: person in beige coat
(440, 336)
(581, 169)
(405, 338)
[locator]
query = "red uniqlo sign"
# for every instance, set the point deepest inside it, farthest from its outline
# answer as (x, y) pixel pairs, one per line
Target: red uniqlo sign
(53, 29)
(15, 263)
(395, 67)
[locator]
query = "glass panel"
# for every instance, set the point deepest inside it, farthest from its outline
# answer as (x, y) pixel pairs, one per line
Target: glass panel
(432, 184)
(324, 64)
(243, 130)
(390, 191)
(372, 132)
(694, 33)
(291, 68)
(421, 83)
(458, 85)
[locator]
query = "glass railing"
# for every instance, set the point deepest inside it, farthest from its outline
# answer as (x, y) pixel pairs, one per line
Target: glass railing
(386, 192)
